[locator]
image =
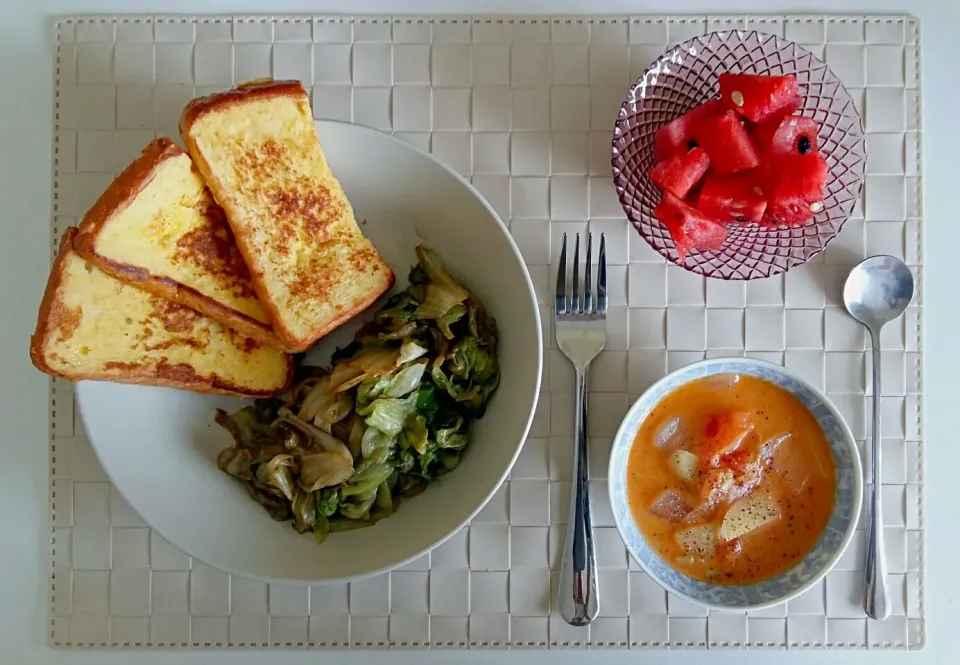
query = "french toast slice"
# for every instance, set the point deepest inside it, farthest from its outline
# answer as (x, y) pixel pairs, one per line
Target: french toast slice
(92, 326)
(157, 227)
(257, 149)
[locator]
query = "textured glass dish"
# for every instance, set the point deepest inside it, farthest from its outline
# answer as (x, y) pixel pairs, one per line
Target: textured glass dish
(815, 564)
(686, 76)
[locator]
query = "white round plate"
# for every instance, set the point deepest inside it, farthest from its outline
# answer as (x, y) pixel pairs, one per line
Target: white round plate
(159, 446)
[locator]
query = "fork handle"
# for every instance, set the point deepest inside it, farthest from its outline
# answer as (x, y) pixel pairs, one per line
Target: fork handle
(578, 595)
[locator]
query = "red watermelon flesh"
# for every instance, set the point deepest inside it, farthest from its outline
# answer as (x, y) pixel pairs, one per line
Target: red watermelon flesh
(675, 137)
(757, 97)
(727, 143)
(736, 198)
(689, 228)
(679, 174)
(793, 134)
(796, 194)
(793, 105)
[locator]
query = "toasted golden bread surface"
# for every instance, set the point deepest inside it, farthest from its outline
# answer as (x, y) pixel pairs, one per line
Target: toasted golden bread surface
(157, 227)
(258, 152)
(92, 326)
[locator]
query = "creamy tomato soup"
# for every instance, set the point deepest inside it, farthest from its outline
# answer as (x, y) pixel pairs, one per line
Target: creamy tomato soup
(730, 479)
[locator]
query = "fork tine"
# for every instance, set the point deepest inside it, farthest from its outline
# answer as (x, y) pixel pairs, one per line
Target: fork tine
(602, 277)
(587, 288)
(561, 297)
(575, 306)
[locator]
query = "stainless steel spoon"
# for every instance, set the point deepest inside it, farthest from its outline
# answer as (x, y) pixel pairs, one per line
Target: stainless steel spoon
(877, 291)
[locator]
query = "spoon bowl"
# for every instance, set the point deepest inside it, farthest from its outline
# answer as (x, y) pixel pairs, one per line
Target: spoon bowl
(878, 291)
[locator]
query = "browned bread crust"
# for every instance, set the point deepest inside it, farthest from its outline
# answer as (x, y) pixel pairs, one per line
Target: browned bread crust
(118, 196)
(258, 89)
(54, 317)
(264, 90)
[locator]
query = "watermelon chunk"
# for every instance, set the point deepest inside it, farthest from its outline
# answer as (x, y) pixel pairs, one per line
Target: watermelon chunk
(792, 134)
(793, 105)
(757, 97)
(796, 189)
(727, 143)
(679, 174)
(677, 136)
(689, 228)
(737, 198)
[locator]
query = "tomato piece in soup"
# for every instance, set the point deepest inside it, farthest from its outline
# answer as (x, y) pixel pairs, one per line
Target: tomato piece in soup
(738, 461)
(725, 432)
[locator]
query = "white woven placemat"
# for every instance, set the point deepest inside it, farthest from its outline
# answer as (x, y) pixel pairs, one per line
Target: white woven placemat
(525, 108)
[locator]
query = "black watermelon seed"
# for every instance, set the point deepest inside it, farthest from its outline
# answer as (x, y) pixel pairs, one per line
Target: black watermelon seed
(803, 145)
(692, 144)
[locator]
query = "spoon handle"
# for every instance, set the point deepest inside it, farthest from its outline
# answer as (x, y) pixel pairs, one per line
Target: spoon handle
(876, 596)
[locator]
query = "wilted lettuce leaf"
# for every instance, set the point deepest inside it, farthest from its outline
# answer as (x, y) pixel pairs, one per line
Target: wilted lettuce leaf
(376, 446)
(405, 381)
(276, 507)
(323, 406)
(468, 357)
(367, 364)
(439, 345)
(357, 506)
(321, 529)
(451, 439)
(418, 276)
(405, 461)
(278, 472)
(404, 331)
(399, 307)
(389, 414)
(449, 459)
(474, 401)
(383, 504)
(482, 325)
(236, 462)
(371, 389)
(250, 426)
(452, 315)
(323, 469)
(442, 381)
(443, 291)
(366, 480)
(436, 274)
(439, 301)
(416, 432)
(427, 459)
(355, 439)
(304, 511)
(426, 398)
(327, 500)
(410, 350)
(338, 524)
(470, 377)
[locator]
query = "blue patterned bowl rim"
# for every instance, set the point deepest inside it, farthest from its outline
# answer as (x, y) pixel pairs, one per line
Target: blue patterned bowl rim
(848, 496)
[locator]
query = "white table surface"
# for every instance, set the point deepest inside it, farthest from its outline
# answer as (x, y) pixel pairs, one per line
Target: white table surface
(26, 47)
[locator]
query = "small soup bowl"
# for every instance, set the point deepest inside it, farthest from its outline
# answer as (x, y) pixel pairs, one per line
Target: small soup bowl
(848, 493)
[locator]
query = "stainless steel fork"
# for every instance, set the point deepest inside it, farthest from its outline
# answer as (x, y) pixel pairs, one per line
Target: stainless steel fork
(581, 327)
